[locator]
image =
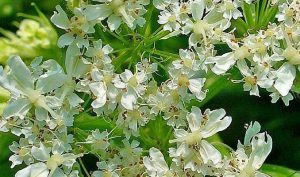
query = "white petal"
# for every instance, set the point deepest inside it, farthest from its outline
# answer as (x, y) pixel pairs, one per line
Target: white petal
(40, 153)
(209, 152)
(20, 72)
(39, 170)
(18, 108)
(286, 75)
(94, 12)
(196, 85)
(194, 119)
(65, 39)
(216, 122)
(128, 100)
(24, 172)
(60, 18)
(198, 9)
(114, 22)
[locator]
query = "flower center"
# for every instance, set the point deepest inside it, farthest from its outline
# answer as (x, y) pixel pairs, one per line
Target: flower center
(115, 4)
(292, 55)
(133, 82)
(241, 53)
(54, 161)
(229, 6)
(172, 18)
(251, 80)
(193, 138)
(183, 81)
(23, 152)
(200, 27)
(100, 54)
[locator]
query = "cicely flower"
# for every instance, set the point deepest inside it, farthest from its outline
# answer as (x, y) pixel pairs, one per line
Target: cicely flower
(162, 4)
(99, 52)
(77, 27)
(221, 64)
(146, 66)
(172, 17)
(131, 120)
(275, 95)
(286, 14)
(291, 53)
(103, 89)
(133, 86)
(254, 77)
(106, 169)
(250, 156)
(192, 146)
(116, 12)
(187, 61)
(230, 9)
(131, 152)
(26, 92)
(203, 23)
(184, 81)
(98, 140)
(159, 102)
(22, 153)
(49, 164)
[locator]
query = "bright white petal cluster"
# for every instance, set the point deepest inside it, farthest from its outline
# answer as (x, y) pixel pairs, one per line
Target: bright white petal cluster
(111, 100)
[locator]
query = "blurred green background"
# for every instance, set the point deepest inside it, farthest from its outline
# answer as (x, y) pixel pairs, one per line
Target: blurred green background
(283, 123)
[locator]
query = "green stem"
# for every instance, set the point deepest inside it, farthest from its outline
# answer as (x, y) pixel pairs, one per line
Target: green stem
(119, 37)
(83, 167)
(163, 53)
(147, 27)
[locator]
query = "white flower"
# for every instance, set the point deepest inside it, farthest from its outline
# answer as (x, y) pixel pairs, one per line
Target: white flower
(248, 161)
(187, 61)
(254, 77)
(171, 18)
(98, 141)
(134, 87)
(286, 14)
(117, 11)
(276, 95)
(48, 165)
(22, 153)
(99, 52)
(26, 92)
(103, 88)
(224, 62)
(191, 144)
(230, 10)
(78, 26)
(106, 170)
(181, 81)
(131, 120)
(203, 23)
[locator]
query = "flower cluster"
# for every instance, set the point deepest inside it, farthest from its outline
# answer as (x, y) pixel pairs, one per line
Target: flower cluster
(268, 59)
(123, 89)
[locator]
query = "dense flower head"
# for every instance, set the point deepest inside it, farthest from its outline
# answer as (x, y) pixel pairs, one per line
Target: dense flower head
(112, 77)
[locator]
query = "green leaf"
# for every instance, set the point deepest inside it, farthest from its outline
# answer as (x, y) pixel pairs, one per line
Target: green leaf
(84, 121)
(248, 14)
(296, 85)
(279, 171)
(6, 140)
